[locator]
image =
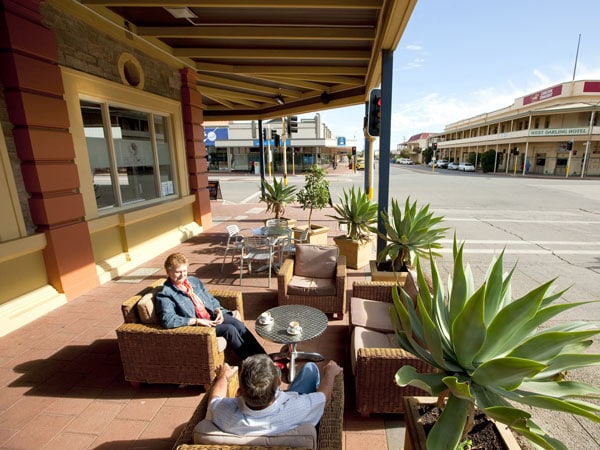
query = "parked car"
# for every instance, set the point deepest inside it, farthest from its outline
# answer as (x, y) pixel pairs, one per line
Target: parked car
(441, 163)
(452, 165)
(360, 164)
(406, 161)
(466, 167)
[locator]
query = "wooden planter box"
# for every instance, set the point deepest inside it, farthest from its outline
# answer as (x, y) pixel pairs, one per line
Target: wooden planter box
(357, 253)
(376, 275)
(317, 235)
(415, 438)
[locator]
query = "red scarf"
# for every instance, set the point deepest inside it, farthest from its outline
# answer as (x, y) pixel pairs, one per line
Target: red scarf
(201, 311)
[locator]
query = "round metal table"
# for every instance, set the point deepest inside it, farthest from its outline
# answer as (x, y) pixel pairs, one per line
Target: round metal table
(312, 321)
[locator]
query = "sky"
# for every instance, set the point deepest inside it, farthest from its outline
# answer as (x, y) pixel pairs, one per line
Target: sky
(458, 59)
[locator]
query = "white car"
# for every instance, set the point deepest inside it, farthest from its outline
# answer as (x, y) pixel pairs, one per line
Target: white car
(452, 165)
(466, 167)
(441, 163)
(406, 161)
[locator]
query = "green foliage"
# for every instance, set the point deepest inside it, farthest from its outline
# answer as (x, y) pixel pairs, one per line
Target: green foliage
(358, 213)
(490, 352)
(487, 161)
(408, 233)
(277, 196)
(472, 158)
(427, 155)
(315, 193)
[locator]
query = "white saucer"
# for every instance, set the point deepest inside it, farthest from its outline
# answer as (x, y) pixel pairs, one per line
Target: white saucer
(294, 332)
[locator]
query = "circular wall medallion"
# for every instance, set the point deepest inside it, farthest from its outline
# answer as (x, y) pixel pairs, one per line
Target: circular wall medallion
(131, 71)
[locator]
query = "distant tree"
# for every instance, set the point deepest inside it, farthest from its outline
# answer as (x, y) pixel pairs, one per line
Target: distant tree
(427, 155)
(487, 161)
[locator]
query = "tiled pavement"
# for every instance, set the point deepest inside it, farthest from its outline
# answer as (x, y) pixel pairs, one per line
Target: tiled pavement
(61, 381)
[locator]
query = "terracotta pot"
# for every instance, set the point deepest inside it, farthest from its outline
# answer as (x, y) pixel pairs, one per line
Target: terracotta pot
(357, 253)
(415, 438)
(377, 275)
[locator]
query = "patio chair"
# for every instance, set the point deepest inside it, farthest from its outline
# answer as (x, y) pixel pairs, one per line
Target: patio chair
(329, 435)
(315, 277)
(151, 353)
(235, 242)
(257, 249)
(290, 248)
(276, 223)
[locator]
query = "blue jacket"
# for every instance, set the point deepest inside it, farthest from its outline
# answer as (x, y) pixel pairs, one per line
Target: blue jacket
(175, 308)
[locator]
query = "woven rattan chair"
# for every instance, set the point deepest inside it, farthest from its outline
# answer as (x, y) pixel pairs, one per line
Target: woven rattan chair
(330, 299)
(375, 368)
(151, 353)
(329, 430)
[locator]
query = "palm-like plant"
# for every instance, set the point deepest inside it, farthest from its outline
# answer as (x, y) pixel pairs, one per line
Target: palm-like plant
(358, 213)
(409, 233)
(277, 196)
(490, 353)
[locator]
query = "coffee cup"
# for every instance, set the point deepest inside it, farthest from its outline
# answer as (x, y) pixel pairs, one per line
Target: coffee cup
(266, 317)
(294, 326)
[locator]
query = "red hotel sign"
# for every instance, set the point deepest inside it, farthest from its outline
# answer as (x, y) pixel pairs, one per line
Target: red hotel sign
(543, 95)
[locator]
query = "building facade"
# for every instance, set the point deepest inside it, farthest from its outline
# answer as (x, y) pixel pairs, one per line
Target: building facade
(235, 146)
(550, 132)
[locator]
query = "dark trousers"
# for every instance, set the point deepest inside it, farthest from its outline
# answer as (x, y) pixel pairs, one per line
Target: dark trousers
(241, 340)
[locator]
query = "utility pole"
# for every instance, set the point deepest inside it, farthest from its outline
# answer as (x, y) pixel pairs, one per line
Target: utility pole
(284, 149)
(269, 154)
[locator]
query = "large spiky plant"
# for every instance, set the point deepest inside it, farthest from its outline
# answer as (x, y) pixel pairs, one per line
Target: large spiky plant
(493, 352)
(277, 196)
(408, 233)
(358, 213)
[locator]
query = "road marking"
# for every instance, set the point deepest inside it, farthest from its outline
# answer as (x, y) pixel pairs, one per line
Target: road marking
(507, 242)
(457, 219)
(251, 197)
(508, 251)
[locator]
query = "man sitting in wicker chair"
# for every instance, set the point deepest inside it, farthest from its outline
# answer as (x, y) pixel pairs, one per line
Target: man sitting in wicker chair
(263, 409)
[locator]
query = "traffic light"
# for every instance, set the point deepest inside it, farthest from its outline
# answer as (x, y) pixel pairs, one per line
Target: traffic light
(435, 146)
(277, 140)
(292, 125)
(353, 151)
(374, 117)
(570, 145)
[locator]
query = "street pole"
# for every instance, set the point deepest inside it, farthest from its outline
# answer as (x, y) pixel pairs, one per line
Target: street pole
(262, 158)
(269, 154)
(284, 149)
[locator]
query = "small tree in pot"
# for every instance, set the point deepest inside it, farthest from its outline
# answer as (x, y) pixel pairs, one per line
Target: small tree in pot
(315, 193)
(490, 353)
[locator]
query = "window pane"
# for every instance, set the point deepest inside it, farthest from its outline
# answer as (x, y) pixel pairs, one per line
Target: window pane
(164, 155)
(133, 154)
(98, 154)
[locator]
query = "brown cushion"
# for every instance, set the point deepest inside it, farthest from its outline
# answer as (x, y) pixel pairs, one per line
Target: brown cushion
(371, 314)
(303, 436)
(365, 338)
(311, 286)
(146, 309)
(316, 261)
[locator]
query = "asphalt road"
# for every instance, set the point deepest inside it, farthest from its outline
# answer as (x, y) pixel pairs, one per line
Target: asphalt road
(549, 227)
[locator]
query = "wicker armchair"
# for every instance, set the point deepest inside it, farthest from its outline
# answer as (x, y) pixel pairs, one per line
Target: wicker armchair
(375, 366)
(329, 430)
(151, 353)
(325, 294)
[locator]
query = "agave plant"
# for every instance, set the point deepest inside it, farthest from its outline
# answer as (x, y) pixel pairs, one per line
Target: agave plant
(410, 233)
(277, 196)
(491, 353)
(358, 213)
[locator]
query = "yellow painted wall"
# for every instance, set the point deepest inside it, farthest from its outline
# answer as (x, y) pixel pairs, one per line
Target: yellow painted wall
(13, 283)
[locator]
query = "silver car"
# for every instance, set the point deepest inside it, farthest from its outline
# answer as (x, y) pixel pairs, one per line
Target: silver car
(452, 165)
(466, 167)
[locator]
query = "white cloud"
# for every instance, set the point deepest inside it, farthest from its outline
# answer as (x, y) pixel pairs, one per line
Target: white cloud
(413, 47)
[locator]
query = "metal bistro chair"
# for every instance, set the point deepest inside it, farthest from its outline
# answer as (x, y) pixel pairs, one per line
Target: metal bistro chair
(289, 249)
(257, 249)
(276, 223)
(235, 242)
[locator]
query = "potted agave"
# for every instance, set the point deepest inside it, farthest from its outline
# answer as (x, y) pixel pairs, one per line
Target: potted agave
(314, 195)
(408, 233)
(492, 353)
(359, 215)
(277, 196)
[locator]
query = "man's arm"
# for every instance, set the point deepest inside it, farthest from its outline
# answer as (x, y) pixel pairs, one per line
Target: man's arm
(330, 371)
(224, 374)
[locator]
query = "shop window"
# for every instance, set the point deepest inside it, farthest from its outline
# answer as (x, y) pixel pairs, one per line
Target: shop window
(130, 155)
(547, 123)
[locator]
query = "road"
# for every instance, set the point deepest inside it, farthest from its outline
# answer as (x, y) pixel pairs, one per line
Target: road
(550, 228)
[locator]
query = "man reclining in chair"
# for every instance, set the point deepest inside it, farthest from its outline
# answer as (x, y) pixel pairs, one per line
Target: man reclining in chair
(261, 408)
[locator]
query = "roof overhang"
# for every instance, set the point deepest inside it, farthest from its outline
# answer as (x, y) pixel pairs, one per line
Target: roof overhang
(267, 58)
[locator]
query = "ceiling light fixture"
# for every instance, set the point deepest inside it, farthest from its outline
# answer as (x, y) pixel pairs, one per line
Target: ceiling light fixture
(182, 13)
(279, 99)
